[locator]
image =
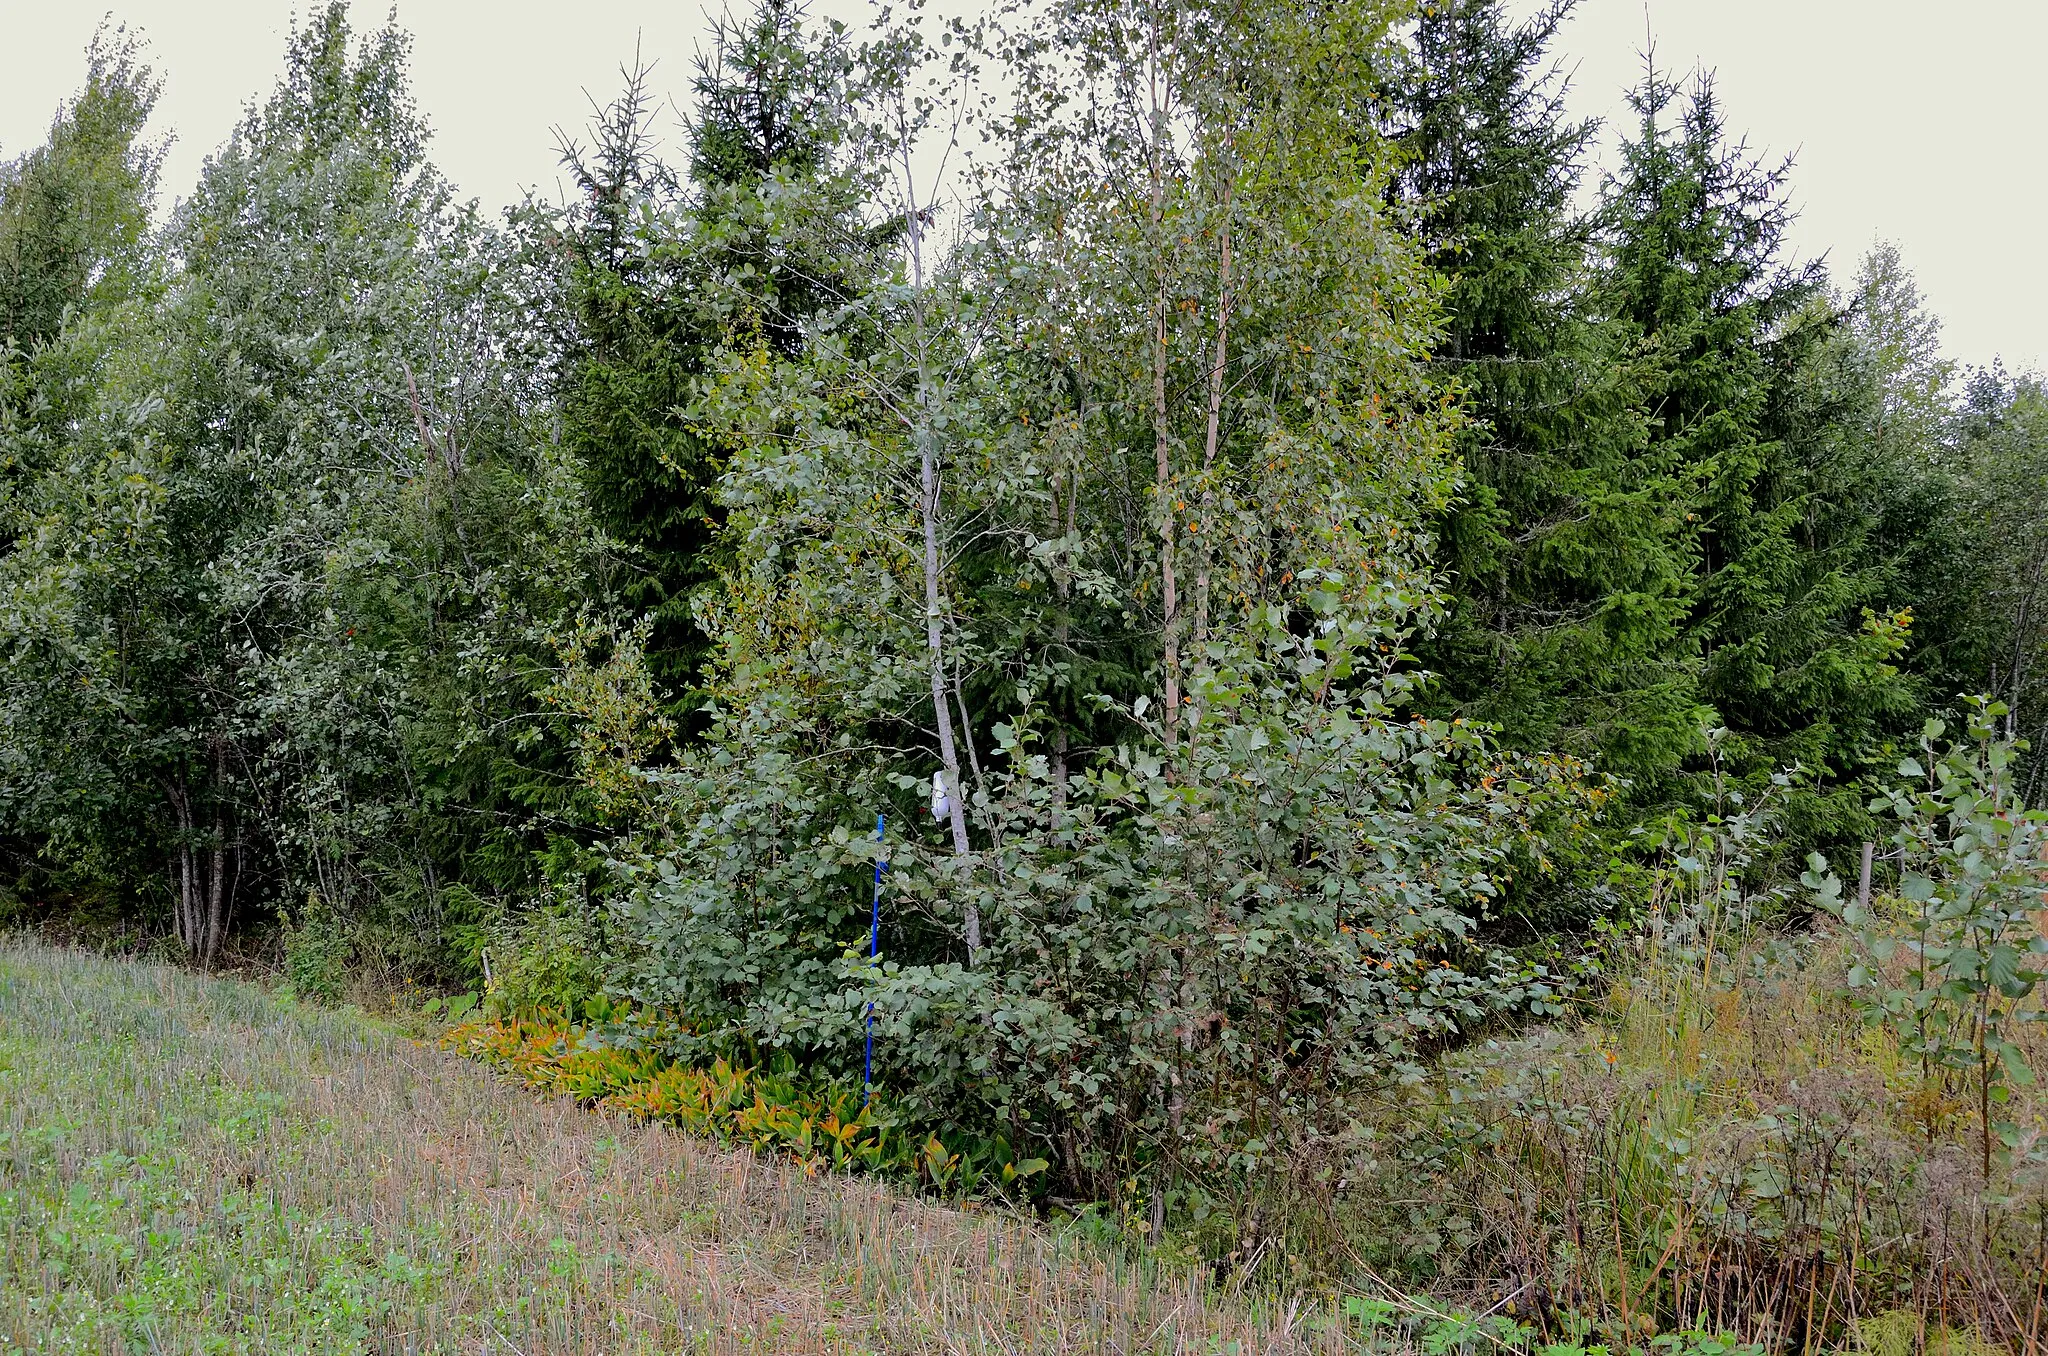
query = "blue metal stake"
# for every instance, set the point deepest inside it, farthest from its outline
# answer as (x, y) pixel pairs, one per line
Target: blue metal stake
(867, 1059)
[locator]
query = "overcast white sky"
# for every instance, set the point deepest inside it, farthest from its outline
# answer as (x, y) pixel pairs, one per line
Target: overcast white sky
(1918, 124)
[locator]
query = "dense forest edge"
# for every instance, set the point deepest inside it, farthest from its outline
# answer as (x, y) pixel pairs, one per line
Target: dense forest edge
(1270, 665)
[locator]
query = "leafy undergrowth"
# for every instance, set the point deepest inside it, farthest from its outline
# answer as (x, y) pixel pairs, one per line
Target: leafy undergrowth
(819, 1126)
(1722, 1144)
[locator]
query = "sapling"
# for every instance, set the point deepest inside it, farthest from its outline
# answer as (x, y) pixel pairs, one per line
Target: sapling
(1969, 886)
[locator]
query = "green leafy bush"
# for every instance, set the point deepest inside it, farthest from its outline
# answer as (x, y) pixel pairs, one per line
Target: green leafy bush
(317, 951)
(549, 958)
(1187, 965)
(1949, 965)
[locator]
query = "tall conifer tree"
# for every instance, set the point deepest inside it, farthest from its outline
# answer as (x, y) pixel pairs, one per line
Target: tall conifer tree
(1685, 506)
(1819, 533)
(665, 268)
(1570, 567)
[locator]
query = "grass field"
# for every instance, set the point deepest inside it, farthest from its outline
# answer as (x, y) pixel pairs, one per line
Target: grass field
(194, 1165)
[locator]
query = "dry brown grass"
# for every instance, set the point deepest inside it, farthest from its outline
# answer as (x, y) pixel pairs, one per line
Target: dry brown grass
(193, 1165)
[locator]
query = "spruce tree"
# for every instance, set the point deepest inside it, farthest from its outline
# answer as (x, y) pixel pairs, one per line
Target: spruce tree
(664, 270)
(1569, 568)
(1819, 533)
(1998, 439)
(1692, 498)
(1691, 233)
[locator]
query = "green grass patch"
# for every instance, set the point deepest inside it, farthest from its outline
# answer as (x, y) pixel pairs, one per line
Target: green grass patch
(194, 1165)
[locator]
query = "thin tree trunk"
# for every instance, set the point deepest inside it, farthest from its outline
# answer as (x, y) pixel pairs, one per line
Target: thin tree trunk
(1205, 547)
(1984, 1081)
(1168, 511)
(934, 603)
(967, 727)
(934, 639)
(2017, 681)
(216, 887)
(188, 900)
(1064, 584)
(1162, 447)
(216, 895)
(184, 911)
